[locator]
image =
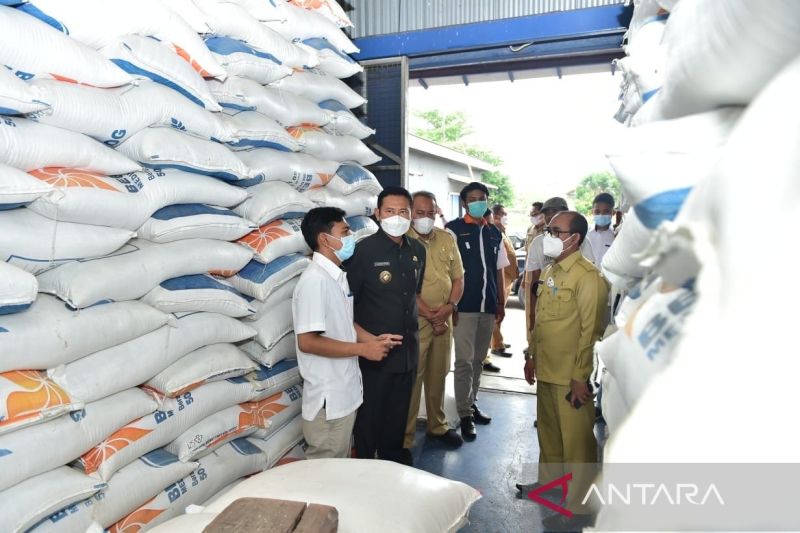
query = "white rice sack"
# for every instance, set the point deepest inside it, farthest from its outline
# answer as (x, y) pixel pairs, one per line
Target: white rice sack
(218, 469)
(27, 397)
(194, 221)
(35, 243)
(260, 281)
(352, 178)
(269, 381)
(169, 148)
(36, 498)
(172, 417)
(190, 13)
(313, 140)
(55, 55)
(216, 362)
(37, 449)
(344, 121)
(304, 24)
(18, 97)
(319, 87)
(230, 20)
(26, 145)
(273, 200)
(287, 108)
(362, 226)
(251, 129)
(620, 265)
(198, 292)
(283, 349)
(128, 200)
(17, 290)
(411, 499)
(301, 171)
(132, 486)
(50, 334)
(142, 265)
(97, 23)
(263, 417)
(18, 188)
(359, 203)
(276, 239)
(274, 325)
(281, 441)
(331, 60)
(146, 58)
(113, 369)
(659, 163)
(263, 11)
(239, 59)
(281, 293)
(330, 9)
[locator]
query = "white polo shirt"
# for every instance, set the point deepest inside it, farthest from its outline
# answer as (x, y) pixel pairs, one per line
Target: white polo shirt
(601, 241)
(322, 303)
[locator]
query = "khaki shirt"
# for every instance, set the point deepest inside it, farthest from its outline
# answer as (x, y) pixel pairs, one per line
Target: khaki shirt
(570, 316)
(511, 272)
(443, 266)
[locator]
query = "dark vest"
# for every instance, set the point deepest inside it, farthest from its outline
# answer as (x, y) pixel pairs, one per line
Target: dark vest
(480, 270)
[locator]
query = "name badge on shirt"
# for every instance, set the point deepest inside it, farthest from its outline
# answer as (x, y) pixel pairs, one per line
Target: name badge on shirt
(382, 264)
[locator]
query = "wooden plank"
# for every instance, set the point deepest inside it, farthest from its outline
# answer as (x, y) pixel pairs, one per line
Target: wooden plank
(319, 519)
(258, 515)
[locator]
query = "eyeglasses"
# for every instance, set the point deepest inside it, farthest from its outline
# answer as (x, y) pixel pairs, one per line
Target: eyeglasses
(554, 231)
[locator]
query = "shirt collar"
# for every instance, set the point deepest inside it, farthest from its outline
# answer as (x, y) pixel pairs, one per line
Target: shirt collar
(570, 260)
(469, 219)
(328, 266)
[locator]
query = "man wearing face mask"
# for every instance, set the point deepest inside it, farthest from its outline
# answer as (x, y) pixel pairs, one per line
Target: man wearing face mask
(328, 343)
(601, 236)
(385, 275)
(442, 288)
(484, 257)
(537, 223)
(510, 275)
(570, 317)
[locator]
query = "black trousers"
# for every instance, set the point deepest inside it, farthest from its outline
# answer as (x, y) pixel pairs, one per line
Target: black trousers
(381, 421)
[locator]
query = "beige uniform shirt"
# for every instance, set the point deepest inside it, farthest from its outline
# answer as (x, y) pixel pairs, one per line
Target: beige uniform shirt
(570, 317)
(442, 266)
(511, 272)
(532, 234)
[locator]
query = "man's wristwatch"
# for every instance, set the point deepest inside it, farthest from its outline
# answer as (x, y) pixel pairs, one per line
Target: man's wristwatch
(455, 306)
(529, 356)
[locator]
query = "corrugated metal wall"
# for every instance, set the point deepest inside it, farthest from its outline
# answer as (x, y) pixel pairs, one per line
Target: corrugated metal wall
(376, 17)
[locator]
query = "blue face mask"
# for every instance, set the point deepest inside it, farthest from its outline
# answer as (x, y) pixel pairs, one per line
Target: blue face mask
(602, 220)
(477, 209)
(348, 247)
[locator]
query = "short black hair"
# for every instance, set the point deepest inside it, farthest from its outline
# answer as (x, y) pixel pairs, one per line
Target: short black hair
(474, 186)
(394, 191)
(604, 198)
(537, 205)
(577, 224)
(319, 220)
(496, 208)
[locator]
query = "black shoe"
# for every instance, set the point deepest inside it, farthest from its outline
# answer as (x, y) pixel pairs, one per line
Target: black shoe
(560, 522)
(506, 346)
(502, 353)
(468, 428)
(479, 416)
(536, 423)
(529, 487)
(490, 367)
(406, 458)
(450, 438)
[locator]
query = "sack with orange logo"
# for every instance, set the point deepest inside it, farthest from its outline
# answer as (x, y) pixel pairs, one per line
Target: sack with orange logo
(128, 200)
(194, 221)
(251, 129)
(331, 60)
(319, 87)
(216, 362)
(313, 140)
(287, 108)
(262, 417)
(199, 292)
(358, 203)
(283, 349)
(273, 200)
(18, 97)
(35, 243)
(260, 281)
(28, 145)
(18, 188)
(276, 239)
(330, 9)
(17, 292)
(303, 24)
(345, 122)
(55, 55)
(240, 59)
(36, 449)
(139, 267)
(28, 397)
(301, 171)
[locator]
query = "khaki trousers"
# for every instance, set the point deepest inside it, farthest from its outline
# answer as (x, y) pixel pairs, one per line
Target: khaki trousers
(328, 439)
(497, 335)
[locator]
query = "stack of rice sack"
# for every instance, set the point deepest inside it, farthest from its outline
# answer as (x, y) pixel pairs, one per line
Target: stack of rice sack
(151, 188)
(713, 193)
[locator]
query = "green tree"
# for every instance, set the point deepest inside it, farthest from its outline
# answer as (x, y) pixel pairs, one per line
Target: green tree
(449, 130)
(591, 186)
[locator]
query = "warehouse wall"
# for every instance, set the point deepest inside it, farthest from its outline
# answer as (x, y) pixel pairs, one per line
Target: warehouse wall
(376, 17)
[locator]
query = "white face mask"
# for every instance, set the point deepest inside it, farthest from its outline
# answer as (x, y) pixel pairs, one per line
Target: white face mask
(423, 225)
(538, 219)
(553, 246)
(395, 226)
(504, 221)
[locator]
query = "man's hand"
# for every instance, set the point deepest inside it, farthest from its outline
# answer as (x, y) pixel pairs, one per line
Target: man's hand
(440, 315)
(500, 314)
(580, 391)
(378, 348)
(530, 371)
(426, 312)
(439, 329)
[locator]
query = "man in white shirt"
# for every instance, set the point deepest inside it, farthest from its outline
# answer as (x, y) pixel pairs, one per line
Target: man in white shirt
(328, 341)
(601, 237)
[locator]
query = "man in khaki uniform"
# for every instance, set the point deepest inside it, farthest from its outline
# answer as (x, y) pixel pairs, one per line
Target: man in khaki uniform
(510, 273)
(442, 287)
(537, 223)
(570, 316)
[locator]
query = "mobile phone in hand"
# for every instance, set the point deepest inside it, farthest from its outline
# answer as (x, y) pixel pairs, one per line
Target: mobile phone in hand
(574, 402)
